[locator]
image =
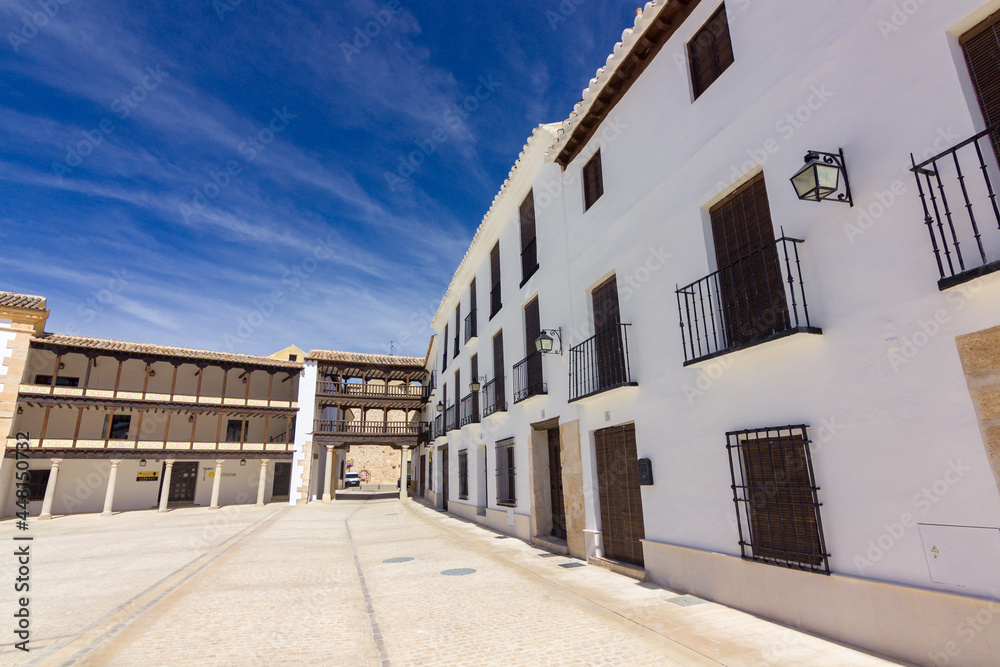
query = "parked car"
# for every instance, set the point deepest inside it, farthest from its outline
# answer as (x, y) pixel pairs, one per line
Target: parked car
(352, 479)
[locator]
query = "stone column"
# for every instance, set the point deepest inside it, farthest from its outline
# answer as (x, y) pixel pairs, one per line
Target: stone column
(50, 490)
(165, 488)
(216, 485)
(109, 497)
(328, 475)
(402, 472)
(261, 482)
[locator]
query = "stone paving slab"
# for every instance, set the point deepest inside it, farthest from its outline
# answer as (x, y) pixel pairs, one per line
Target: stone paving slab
(310, 585)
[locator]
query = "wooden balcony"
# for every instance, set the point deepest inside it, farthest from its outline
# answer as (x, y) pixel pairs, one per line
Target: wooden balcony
(377, 431)
(104, 447)
(29, 391)
(393, 395)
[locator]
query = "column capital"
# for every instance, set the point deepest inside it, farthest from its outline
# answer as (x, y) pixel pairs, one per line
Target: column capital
(115, 462)
(219, 462)
(169, 463)
(329, 448)
(263, 462)
(56, 462)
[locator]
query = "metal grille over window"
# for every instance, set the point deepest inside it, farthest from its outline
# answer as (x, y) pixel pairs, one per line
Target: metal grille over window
(505, 473)
(775, 492)
(463, 475)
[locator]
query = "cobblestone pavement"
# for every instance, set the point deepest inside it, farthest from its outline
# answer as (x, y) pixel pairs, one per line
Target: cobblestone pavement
(310, 585)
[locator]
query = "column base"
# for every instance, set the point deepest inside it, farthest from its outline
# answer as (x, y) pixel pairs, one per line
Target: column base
(327, 498)
(44, 517)
(162, 511)
(213, 507)
(107, 513)
(259, 505)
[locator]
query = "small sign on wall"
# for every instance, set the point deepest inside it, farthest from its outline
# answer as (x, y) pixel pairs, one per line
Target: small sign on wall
(147, 476)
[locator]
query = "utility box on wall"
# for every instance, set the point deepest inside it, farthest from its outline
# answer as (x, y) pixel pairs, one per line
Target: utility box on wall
(645, 472)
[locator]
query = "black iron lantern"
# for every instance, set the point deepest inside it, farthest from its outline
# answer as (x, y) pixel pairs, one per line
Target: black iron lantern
(474, 386)
(142, 463)
(243, 462)
(440, 406)
(820, 178)
(547, 340)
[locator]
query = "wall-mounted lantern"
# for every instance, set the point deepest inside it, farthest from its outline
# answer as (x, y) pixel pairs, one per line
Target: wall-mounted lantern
(20, 410)
(142, 463)
(819, 179)
(243, 462)
(439, 407)
(546, 342)
(476, 384)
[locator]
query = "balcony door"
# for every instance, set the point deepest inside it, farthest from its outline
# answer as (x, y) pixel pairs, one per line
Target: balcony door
(981, 46)
(750, 294)
(608, 335)
(532, 330)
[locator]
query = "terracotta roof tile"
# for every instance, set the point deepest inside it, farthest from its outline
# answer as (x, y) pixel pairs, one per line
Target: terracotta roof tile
(25, 301)
(148, 349)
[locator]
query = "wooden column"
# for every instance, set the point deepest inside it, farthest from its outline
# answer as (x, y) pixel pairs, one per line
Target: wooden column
(288, 426)
(91, 361)
(45, 423)
(216, 485)
(107, 431)
(267, 437)
(138, 428)
(76, 430)
(270, 386)
(173, 381)
(145, 381)
(166, 428)
(246, 394)
(168, 467)
(109, 496)
(55, 374)
(50, 490)
(261, 482)
(218, 430)
(118, 376)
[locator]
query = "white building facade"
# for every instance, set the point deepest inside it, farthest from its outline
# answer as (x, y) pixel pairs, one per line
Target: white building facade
(786, 406)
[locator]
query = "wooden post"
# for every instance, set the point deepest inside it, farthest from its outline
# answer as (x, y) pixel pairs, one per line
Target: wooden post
(173, 381)
(118, 376)
(166, 429)
(246, 394)
(145, 381)
(45, 423)
(76, 431)
(138, 428)
(91, 361)
(270, 386)
(55, 374)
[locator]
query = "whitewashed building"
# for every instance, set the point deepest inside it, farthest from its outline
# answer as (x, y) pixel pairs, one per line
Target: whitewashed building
(788, 406)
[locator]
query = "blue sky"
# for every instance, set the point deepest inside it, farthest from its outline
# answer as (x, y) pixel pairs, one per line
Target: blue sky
(229, 174)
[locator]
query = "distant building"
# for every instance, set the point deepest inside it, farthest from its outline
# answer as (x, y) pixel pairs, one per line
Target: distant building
(788, 406)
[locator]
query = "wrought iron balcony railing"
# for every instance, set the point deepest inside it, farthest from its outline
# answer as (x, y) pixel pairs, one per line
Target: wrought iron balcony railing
(965, 247)
(470, 326)
(360, 427)
(494, 396)
(371, 390)
(528, 378)
(438, 426)
(758, 298)
(600, 363)
(451, 418)
(470, 410)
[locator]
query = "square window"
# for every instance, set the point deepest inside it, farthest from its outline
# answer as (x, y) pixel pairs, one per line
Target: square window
(710, 52)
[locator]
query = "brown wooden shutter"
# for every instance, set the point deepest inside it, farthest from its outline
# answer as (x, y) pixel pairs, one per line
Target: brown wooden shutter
(982, 53)
(781, 510)
(593, 181)
(529, 250)
(609, 350)
(622, 525)
(495, 302)
(749, 271)
(710, 52)
(498, 356)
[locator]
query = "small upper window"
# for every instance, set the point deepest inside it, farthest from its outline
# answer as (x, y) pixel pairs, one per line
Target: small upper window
(293, 357)
(710, 52)
(593, 181)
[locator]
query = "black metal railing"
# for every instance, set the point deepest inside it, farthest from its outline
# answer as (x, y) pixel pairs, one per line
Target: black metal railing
(450, 418)
(528, 378)
(945, 180)
(438, 426)
(529, 261)
(470, 410)
(600, 363)
(495, 303)
(361, 427)
(495, 396)
(759, 297)
(470, 326)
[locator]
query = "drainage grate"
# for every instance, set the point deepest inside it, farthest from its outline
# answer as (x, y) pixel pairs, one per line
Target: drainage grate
(458, 572)
(568, 565)
(548, 555)
(401, 559)
(685, 600)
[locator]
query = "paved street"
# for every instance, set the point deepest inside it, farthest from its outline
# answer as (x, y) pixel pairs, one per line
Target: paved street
(312, 585)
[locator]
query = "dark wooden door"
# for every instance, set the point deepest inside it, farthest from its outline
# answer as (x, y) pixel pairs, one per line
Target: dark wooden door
(609, 347)
(981, 46)
(499, 398)
(282, 478)
(183, 480)
(556, 486)
(423, 473)
(474, 377)
(444, 477)
(532, 329)
(751, 294)
(622, 525)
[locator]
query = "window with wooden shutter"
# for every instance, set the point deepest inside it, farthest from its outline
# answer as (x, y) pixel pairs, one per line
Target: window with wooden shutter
(458, 326)
(710, 52)
(529, 251)
(593, 181)
(751, 297)
(981, 46)
(444, 344)
(506, 494)
(495, 303)
(463, 474)
(470, 319)
(776, 498)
